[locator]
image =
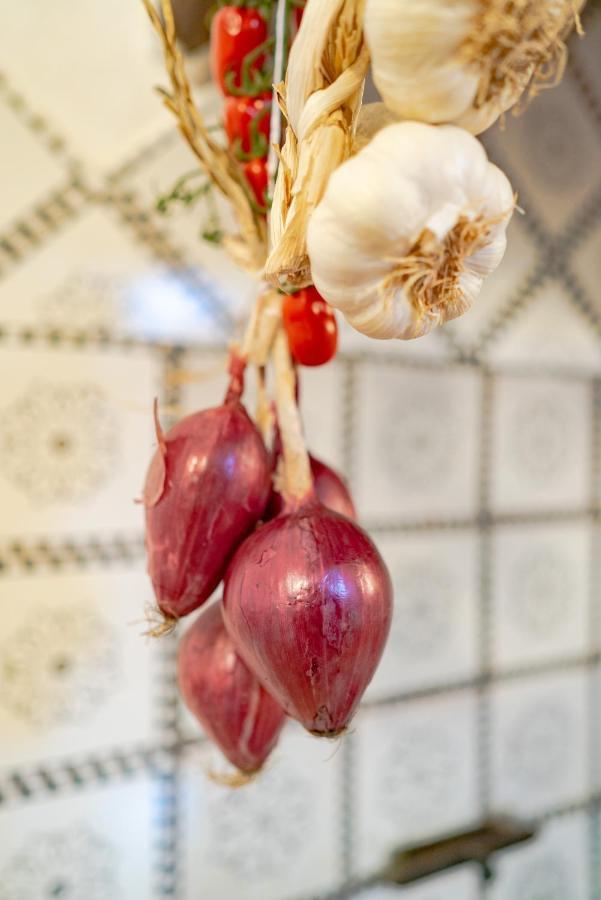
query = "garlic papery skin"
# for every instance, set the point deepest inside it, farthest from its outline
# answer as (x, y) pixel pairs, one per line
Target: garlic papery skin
(465, 62)
(408, 229)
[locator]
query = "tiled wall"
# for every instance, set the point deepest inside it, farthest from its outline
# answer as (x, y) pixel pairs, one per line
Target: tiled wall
(474, 456)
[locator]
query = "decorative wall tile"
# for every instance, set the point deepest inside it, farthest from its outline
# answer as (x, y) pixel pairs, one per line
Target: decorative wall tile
(321, 397)
(551, 331)
(75, 440)
(109, 109)
(28, 171)
(541, 593)
(539, 743)
(541, 446)
(75, 668)
(553, 867)
(417, 443)
(551, 152)
(275, 835)
(415, 774)
(587, 265)
(433, 638)
(95, 845)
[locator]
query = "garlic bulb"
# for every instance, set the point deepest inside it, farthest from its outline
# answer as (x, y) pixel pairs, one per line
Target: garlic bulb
(408, 229)
(465, 61)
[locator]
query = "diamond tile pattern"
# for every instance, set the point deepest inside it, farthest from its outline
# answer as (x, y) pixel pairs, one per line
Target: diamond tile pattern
(473, 455)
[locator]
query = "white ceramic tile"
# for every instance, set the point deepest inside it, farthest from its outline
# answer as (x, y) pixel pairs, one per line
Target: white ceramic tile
(433, 638)
(321, 401)
(550, 331)
(541, 444)
(75, 440)
(95, 275)
(554, 152)
(458, 884)
(278, 836)
(541, 593)
(76, 671)
(416, 442)
(587, 52)
(539, 743)
(416, 774)
(586, 263)
(554, 866)
(91, 69)
(96, 844)
(28, 172)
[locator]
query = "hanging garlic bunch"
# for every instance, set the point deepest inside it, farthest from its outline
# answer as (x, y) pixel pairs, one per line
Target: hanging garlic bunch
(408, 229)
(465, 61)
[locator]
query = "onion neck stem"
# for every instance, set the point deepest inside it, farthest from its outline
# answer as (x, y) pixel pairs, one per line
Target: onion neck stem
(298, 481)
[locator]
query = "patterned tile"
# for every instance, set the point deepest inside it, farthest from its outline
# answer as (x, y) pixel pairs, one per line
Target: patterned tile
(553, 867)
(416, 443)
(539, 743)
(28, 171)
(541, 444)
(541, 591)
(415, 775)
(458, 884)
(75, 440)
(94, 845)
(433, 639)
(75, 669)
(109, 109)
(587, 266)
(257, 835)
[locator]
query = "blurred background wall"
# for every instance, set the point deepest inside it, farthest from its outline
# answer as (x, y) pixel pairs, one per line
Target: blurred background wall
(473, 454)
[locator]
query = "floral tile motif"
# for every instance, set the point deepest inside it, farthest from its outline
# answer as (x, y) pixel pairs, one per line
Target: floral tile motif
(539, 743)
(541, 444)
(541, 593)
(553, 866)
(433, 638)
(257, 836)
(76, 671)
(75, 441)
(95, 845)
(416, 443)
(415, 775)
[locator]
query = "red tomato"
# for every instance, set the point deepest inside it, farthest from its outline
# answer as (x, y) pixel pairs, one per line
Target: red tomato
(311, 327)
(235, 33)
(246, 121)
(298, 15)
(256, 175)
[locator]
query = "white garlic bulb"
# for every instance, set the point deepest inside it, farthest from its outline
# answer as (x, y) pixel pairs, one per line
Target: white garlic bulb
(465, 61)
(408, 229)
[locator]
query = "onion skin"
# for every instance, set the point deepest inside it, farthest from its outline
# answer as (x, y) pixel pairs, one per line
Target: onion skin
(225, 697)
(330, 489)
(308, 604)
(206, 488)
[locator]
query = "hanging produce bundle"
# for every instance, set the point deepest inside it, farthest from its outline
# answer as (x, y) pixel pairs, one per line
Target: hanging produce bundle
(390, 213)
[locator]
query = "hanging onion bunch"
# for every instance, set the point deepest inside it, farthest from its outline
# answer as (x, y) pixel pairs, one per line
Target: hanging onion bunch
(408, 229)
(466, 61)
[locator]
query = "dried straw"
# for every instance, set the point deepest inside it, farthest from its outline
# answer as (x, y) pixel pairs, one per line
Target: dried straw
(320, 99)
(249, 248)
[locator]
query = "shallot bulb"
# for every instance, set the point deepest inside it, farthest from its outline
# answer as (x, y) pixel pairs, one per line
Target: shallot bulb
(207, 487)
(330, 489)
(220, 691)
(308, 603)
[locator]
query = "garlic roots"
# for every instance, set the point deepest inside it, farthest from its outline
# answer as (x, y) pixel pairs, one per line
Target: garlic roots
(408, 229)
(465, 62)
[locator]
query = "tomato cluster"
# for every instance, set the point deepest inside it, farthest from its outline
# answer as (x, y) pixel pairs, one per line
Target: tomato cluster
(241, 67)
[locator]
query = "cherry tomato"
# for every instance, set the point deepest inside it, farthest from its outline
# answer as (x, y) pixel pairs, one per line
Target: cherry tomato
(235, 33)
(246, 121)
(311, 327)
(298, 15)
(256, 175)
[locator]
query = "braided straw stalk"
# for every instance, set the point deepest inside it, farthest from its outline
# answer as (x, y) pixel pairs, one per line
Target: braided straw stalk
(249, 247)
(320, 99)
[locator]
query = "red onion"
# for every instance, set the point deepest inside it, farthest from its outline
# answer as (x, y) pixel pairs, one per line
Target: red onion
(206, 488)
(308, 603)
(228, 701)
